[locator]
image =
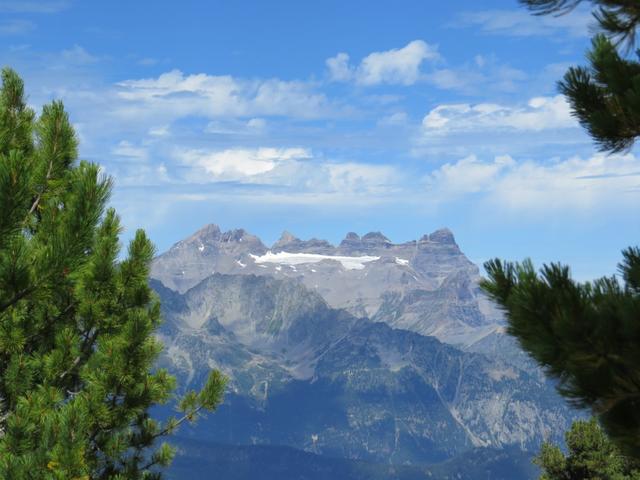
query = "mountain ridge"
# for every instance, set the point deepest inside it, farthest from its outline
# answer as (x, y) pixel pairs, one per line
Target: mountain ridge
(367, 350)
(284, 349)
(357, 275)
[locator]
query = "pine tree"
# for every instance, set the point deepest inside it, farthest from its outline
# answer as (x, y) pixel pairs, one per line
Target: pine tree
(605, 96)
(587, 335)
(77, 345)
(590, 455)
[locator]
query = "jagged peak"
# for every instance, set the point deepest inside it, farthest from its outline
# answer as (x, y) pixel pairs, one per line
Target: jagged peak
(208, 233)
(442, 235)
(375, 237)
(286, 238)
(235, 235)
(210, 229)
(352, 239)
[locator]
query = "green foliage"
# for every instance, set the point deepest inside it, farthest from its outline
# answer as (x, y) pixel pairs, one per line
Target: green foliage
(77, 349)
(590, 455)
(605, 96)
(585, 335)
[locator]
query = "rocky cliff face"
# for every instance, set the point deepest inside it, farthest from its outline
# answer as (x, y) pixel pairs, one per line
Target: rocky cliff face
(427, 286)
(312, 377)
(338, 350)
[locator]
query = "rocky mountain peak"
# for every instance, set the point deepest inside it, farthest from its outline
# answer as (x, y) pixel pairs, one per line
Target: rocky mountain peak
(285, 239)
(442, 235)
(351, 241)
(207, 234)
(376, 238)
(235, 235)
(337, 271)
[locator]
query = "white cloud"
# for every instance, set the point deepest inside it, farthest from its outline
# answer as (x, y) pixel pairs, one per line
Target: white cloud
(286, 171)
(33, 6)
(540, 113)
(237, 164)
(288, 98)
(16, 27)
(257, 123)
(160, 131)
(129, 150)
(78, 55)
(140, 175)
(400, 66)
(575, 184)
(339, 68)
(361, 178)
(521, 23)
(394, 120)
(485, 74)
(397, 65)
(467, 176)
(175, 95)
(232, 126)
(404, 66)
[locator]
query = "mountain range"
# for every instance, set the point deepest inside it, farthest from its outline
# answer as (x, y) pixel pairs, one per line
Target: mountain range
(368, 351)
(427, 286)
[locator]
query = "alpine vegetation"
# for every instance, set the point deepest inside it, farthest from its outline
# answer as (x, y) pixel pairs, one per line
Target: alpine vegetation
(77, 345)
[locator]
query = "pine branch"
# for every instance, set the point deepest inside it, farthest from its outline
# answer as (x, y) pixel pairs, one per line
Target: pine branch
(39, 196)
(84, 351)
(186, 417)
(551, 7)
(17, 297)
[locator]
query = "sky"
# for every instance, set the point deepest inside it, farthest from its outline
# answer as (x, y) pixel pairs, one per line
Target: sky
(326, 117)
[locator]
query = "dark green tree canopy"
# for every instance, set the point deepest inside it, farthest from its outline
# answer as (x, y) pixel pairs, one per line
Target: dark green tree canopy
(590, 455)
(77, 345)
(585, 335)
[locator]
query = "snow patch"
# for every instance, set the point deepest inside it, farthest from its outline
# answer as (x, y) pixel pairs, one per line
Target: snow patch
(285, 258)
(402, 261)
(201, 248)
(240, 263)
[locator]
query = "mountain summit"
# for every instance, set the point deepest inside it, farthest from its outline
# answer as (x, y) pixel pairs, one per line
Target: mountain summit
(427, 286)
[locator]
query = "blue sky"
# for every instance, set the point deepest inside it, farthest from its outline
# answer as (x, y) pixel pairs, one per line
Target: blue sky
(334, 116)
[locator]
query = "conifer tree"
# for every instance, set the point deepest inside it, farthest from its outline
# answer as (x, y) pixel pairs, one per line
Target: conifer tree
(587, 335)
(590, 455)
(77, 345)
